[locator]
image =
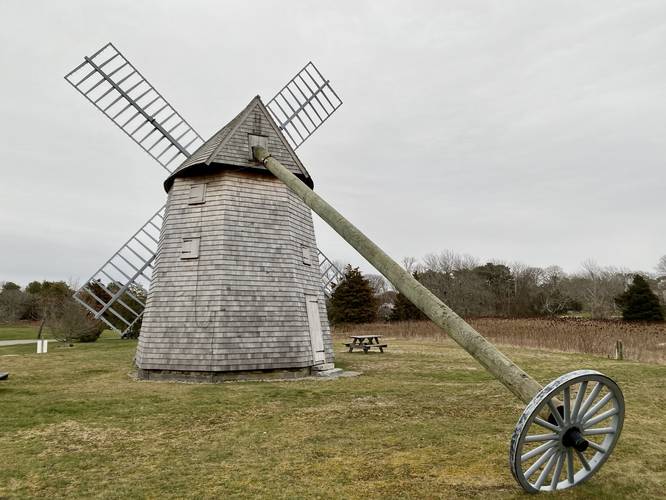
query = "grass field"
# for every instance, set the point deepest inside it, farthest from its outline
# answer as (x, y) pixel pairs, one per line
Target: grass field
(21, 332)
(423, 421)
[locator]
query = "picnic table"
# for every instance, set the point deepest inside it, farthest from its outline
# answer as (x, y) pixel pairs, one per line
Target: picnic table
(365, 342)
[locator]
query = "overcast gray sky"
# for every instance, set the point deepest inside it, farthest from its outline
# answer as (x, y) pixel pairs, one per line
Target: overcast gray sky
(514, 130)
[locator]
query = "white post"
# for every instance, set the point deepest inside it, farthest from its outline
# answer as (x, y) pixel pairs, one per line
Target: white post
(42, 346)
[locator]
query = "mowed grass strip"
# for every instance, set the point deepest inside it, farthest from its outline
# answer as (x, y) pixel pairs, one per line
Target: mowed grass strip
(423, 421)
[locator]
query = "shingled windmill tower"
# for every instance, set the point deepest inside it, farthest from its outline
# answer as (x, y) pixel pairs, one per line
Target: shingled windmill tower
(237, 284)
(236, 287)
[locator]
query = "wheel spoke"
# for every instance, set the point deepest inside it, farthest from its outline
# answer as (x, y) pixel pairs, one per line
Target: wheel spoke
(558, 471)
(598, 405)
(556, 414)
(538, 450)
(535, 466)
(583, 460)
(541, 437)
(579, 400)
(546, 470)
(546, 425)
(595, 446)
(600, 417)
(570, 466)
(566, 401)
(590, 399)
(598, 431)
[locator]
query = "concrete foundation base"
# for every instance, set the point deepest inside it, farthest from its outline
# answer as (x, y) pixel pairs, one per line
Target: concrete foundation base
(213, 377)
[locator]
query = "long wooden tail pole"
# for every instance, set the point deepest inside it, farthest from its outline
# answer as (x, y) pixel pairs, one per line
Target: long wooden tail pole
(501, 367)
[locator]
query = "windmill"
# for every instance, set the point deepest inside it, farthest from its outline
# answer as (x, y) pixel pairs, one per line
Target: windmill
(115, 87)
(226, 170)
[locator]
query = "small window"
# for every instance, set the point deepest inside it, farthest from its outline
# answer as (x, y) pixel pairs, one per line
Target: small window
(306, 256)
(256, 140)
(197, 193)
(190, 249)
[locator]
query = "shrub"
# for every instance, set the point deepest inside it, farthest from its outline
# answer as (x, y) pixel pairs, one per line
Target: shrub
(404, 310)
(74, 324)
(353, 299)
(639, 303)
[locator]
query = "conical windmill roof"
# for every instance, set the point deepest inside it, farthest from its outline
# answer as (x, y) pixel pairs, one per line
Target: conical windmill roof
(230, 147)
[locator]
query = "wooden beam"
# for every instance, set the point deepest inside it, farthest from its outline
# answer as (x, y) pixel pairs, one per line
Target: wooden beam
(501, 367)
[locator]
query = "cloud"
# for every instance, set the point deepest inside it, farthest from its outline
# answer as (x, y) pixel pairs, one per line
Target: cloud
(517, 130)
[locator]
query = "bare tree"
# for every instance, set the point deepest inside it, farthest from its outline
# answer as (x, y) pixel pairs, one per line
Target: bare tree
(378, 283)
(449, 261)
(601, 286)
(410, 264)
(13, 304)
(661, 266)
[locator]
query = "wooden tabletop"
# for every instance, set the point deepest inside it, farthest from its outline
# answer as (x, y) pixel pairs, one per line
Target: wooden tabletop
(365, 336)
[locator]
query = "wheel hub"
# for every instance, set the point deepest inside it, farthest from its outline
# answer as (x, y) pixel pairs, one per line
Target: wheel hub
(573, 438)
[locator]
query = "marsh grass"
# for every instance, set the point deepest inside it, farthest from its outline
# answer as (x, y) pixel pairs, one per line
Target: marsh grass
(642, 341)
(423, 421)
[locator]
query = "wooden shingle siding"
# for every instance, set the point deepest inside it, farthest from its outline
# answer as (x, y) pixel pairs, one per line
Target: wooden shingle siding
(231, 145)
(241, 305)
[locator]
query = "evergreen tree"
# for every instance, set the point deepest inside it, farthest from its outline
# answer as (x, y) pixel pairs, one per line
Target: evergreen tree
(352, 300)
(404, 310)
(639, 303)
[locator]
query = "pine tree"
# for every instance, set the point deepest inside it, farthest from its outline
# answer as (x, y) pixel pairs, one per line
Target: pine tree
(352, 300)
(639, 303)
(404, 310)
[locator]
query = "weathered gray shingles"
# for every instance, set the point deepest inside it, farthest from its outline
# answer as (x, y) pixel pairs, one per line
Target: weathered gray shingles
(249, 311)
(229, 146)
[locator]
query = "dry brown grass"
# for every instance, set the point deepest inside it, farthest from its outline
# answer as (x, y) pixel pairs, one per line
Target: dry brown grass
(642, 341)
(422, 421)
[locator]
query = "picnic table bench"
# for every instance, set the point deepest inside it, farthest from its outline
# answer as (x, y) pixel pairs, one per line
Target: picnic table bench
(365, 342)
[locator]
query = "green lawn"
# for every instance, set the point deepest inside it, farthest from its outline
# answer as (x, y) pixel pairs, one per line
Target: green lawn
(424, 420)
(20, 332)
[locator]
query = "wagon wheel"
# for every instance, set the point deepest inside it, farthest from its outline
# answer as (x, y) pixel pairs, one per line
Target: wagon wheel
(567, 431)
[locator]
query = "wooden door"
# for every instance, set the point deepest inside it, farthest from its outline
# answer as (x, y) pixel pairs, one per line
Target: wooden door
(316, 336)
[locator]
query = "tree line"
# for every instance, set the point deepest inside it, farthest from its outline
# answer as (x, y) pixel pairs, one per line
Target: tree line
(470, 288)
(52, 304)
(497, 289)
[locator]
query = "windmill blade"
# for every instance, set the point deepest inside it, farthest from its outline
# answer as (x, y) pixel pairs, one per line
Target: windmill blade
(115, 87)
(117, 292)
(304, 104)
(330, 274)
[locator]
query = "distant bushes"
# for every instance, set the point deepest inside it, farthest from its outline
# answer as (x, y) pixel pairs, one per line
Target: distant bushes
(51, 303)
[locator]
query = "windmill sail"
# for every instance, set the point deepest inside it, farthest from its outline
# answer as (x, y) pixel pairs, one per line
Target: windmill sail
(303, 104)
(116, 293)
(115, 87)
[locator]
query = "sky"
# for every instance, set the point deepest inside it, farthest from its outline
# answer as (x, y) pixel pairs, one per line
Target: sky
(508, 130)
